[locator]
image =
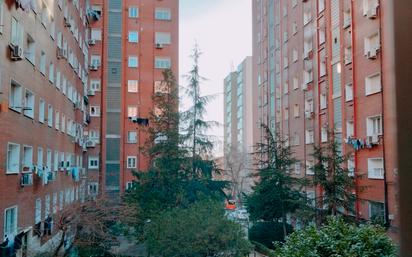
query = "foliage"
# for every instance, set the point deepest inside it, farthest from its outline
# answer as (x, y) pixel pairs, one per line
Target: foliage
(200, 230)
(277, 193)
(337, 238)
(333, 177)
(268, 232)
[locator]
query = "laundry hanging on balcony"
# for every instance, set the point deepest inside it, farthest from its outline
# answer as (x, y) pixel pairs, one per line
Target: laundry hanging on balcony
(27, 5)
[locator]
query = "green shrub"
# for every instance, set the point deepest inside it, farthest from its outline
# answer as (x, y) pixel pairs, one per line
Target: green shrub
(267, 233)
(338, 238)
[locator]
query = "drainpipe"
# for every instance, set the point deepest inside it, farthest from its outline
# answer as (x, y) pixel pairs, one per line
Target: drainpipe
(385, 182)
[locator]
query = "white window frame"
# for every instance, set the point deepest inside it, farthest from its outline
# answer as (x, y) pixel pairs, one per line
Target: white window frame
(164, 38)
(133, 86)
(129, 141)
(37, 211)
(13, 165)
(372, 127)
(163, 14)
(133, 37)
(10, 230)
(133, 12)
(42, 108)
(29, 103)
(129, 160)
(93, 159)
(368, 87)
(96, 112)
(373, 171)
(16, 97)
(133, 61)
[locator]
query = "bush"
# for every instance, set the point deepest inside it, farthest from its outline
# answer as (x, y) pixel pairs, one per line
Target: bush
(338, 238)
(267, 233)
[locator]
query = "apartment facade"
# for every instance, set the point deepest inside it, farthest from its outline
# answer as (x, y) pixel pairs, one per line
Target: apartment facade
(131, 43)
(240, 124)
(43, 113)
(327, 65)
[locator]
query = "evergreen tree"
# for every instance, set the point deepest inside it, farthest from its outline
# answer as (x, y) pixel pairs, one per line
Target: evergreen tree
(332, 176)
(277, 193)
(197, 141)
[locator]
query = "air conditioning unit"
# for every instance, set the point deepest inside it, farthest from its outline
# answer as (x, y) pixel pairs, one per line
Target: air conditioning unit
(26, 179)
(92, 42)
(60, 53)
(159, 46)
(91, 92)
(90, 144)
(16, 52)
(372, 13)
(372, 53)
(374, 139)
(93, 67)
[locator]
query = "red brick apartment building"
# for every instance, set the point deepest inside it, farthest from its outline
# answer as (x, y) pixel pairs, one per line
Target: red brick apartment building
(322, 64)
(43, 116)
(131, 43)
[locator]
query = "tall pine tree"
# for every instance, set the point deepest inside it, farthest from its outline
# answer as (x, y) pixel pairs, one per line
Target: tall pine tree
(277, 193)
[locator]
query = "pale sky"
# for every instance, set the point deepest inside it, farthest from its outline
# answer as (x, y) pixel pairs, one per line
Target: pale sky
(223, 31)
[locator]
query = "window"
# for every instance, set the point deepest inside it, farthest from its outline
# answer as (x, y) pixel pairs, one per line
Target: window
(15, 97)
(348, 92)
(296, 110)
(42, 106)
(375, 168)
(30, 52)
(311, 198)
(163, 38)
(13, 158)
(50, 115)
(58, 78)
(295, 83)
(373, 84)
(131, 162)
(369, 5)
(133, 12)
(17, 33)
(27, 161)
(51, 72)
(374, 126)
(323, 101)
(93, 188)
(324, 135)
(132, 111)
(56, 161)
(40, 157)
(10, 222)
(28, 108)
(95, 85)
(351, 165)
(294, 27)
(44, 15)
(132, 137)
(350, 131)
(295, 55)
(43, 63)
(54, 203)
(95, 111)
(309, 167)
(309, 136)
(297, 168)
(163, 14)
(133, 37)
(46, 206)
(286, 114)
(37, 211)
(129, 185)
(321, 5)
(132, 86)
(133, 62)
(63, 124)
(162, 63)
(348, 55)
(322, 68)
(322, 36)
(95, 60)
(96, 34)
(57, 118)
(376, 210)
(309, 106)
(93, 162)
(61, 200)
(372, 45)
